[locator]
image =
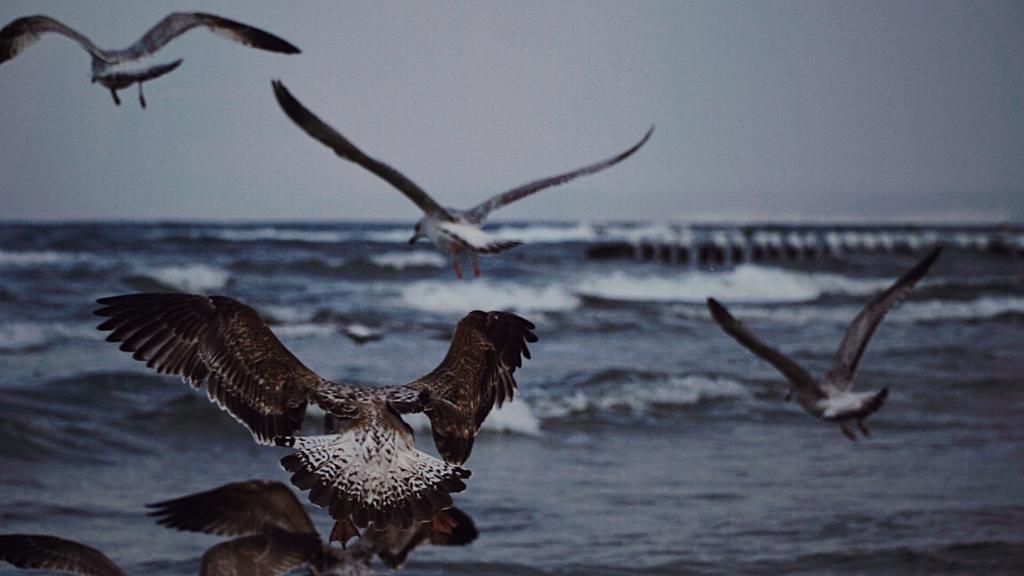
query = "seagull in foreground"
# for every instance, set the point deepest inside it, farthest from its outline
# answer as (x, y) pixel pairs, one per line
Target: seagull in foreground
(454, 232)
(118, 69)
(365, 469)
(269, 516)
(276, 537)
(831, 398)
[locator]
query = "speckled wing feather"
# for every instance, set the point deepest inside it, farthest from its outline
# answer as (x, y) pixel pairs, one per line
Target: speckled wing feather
(234, 509)
(333, 139)
(53, 553)
(23, 32)
(793, 372)
(371, 473)
(394, 545)
(479, 213)
(859, 333)
(176, 24)
(476, 373)
(270, 554)
(224, 344)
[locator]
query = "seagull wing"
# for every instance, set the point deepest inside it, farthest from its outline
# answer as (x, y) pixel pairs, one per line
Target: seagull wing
(479, 212)
(863, 326)
(393, 545)
(53, 553)
(270, 554)
(176, 24)
(331, 138)
(23, 32)
(793, 372)
(224, 344)
(476, 373)
(234, 509)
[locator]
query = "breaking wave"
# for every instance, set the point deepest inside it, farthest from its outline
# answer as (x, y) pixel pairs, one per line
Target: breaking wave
(403, 260)
(446, 297)
(188, 278)
(34, 257)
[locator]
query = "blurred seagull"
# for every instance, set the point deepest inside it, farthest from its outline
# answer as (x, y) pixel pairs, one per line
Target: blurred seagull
(831, 398)
(118, 69)
(365, 469)
(272, 523)
(454, 232)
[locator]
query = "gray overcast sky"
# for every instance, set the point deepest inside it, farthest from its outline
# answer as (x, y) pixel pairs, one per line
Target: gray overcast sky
(764, 110)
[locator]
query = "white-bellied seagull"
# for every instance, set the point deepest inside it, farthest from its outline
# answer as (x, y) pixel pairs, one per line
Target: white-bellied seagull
(365, 468)
(454, 232)
(118, 69)
(831, 398)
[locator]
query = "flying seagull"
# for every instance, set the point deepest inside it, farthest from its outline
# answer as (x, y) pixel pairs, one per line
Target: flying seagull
(831, 398)
(454, 232)
(118, 69)
(262, 512)
(366, 469)
(53, 553)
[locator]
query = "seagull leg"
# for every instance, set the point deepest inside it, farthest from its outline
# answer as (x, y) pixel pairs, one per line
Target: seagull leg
(476, 269)
(442, 522)
(457, 268)
(845, 429)
(343, 530)
(142, 98)
(117, 101)
(863, 428)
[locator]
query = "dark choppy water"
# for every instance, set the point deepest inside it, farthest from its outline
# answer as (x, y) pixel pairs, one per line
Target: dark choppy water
(644, 441)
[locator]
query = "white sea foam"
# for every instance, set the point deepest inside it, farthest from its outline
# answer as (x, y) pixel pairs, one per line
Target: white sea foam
(191, 277)
(403, 260)
(983, 308)
(747, 283)
(640, 396)
(514, 417)
(17, 336)
(272, 233)
(34, 257)
(448, 297)
(304, 330)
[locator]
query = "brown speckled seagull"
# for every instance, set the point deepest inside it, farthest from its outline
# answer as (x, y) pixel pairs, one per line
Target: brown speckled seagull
(831, 398)
(263, 511)
(58, 554)
(118, 69)
(367, 471)
(454, 232)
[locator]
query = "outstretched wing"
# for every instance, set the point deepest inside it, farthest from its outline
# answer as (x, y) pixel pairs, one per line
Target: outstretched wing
(793, 372)
(176, 24)
(394, 545)
(223, 343)
(476, 373)
(859, 333)
(479, 212)
(23, 32)
(270, 554)
(331, 138)
(53, 553)
(234, 509)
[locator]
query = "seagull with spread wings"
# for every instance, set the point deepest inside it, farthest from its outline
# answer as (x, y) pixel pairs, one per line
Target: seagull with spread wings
(119, 69)
(366, 471)
(263, 512)
(832, 398)
(454, 232)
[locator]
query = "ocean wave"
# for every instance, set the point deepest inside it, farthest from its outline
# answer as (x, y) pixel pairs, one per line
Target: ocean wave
(979, 309)
(747, 283)
(403, 260)
(186, 278)
(35, 257)
(446, 297)
(546, 233)
(263, 234)
(618, 391)
(516, 417)
(32, 336)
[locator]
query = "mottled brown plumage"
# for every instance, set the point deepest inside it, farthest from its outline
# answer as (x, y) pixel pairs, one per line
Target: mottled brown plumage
(368, 470)
(283, 531)
(53, 553)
